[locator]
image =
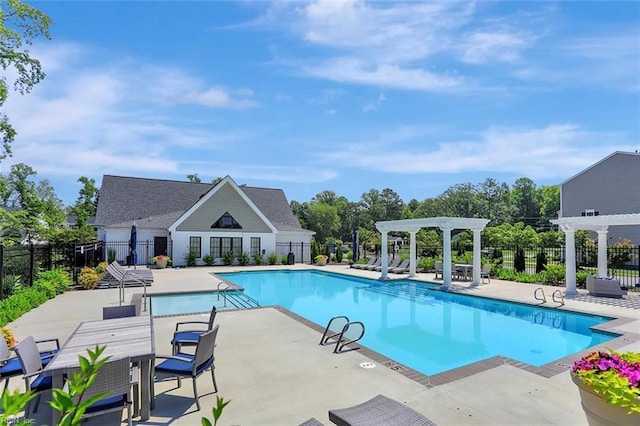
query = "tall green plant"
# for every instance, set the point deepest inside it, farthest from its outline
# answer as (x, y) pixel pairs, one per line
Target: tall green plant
(541, 261)
(518, 260)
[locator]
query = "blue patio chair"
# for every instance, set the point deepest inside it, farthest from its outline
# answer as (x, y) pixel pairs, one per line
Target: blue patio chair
(190, 337)
(31, 364)
(10, 366)
(192, 365)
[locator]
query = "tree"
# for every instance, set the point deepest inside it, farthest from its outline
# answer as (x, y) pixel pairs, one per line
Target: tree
(86, 204)
(323, 219)
(549, 201)
(496, 196)
(194, 178)
(20, 24)
(525, 200)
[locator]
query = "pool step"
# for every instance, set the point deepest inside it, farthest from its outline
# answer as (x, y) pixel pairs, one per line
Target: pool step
(237, 300)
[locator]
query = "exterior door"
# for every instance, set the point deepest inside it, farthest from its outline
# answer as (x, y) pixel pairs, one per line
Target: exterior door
(159, 246)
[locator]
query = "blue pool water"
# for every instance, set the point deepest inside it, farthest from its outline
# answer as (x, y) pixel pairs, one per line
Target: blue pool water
(412, 322)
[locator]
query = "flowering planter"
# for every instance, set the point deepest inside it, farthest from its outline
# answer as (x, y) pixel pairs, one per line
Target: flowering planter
(599, 412)
(161, 263)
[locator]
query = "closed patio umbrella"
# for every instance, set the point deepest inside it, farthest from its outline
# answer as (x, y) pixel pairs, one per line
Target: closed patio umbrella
(133, 243)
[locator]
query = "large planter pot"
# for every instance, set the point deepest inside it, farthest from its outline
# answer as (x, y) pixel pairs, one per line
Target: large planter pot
(161, 263)
(601, 413)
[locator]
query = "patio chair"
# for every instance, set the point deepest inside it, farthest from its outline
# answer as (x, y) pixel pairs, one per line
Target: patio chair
(113, 378)
(485, 272)
(379, 410)
(10, 366)
(375, 264)
(187, 365)
(439, 270)
(111, 312)
(190, 337)
(31, 364)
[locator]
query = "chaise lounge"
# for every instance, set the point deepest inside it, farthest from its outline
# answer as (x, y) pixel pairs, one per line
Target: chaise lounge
(379, 410)
(606, 287)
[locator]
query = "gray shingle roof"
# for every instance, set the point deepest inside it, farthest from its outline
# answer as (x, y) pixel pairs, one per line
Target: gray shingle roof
(157, 203)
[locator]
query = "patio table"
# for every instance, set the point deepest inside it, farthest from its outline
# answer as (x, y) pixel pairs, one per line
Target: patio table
(123, 337)
(466, 268)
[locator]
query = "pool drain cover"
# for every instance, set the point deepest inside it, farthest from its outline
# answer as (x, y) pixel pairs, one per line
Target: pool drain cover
(367, 365)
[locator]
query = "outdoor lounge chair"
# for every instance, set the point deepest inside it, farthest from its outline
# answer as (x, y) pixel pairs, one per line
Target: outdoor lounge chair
(31, 365)
(375, 264)
(393, 264)
(188, 365)
(403, 268)
(371, 261)
(10, 366)
(190, 337)
(379, 410)
(130, 277)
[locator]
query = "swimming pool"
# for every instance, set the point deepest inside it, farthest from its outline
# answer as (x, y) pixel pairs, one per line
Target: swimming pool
(413, 323)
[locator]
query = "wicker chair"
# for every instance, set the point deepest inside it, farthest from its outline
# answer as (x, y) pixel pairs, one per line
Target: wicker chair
(379, 410)
(111, 312)
(10, 366)
(113, 378)
(190, 337)
(31, 365)
(188, 365)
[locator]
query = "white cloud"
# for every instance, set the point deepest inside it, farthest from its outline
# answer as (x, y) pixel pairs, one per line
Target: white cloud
(555, 151)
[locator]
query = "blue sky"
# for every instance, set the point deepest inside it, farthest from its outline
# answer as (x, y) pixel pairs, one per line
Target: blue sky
(331, 95)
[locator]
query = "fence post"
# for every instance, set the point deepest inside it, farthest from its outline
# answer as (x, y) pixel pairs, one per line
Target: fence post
(31, 263)
(1, 270)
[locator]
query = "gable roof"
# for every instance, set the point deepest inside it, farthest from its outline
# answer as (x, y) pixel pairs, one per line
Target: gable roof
(158, 203)
(600, 162)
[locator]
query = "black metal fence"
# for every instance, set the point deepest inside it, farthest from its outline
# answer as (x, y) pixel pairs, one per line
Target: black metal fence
(145, 249)
(19, 265)
(301, 251)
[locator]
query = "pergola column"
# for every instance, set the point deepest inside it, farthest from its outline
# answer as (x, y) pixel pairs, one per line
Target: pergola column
(477, 259)
(385, 261)
(412, 253)
(602, 252)
(446, 258)
(570, 260)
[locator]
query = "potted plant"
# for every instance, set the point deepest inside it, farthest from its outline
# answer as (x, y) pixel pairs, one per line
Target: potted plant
(161, 260)
(321, 260)
(609, 384)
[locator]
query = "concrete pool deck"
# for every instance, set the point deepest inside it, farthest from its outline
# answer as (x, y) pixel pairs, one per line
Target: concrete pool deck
(271, 367)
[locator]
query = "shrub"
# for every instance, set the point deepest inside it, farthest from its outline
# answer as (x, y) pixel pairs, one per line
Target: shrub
(273, 259)
(102, 268)
(209, 260)
(581, 278)
(284, 259)
(427, 264)
(228, 258)
(88, 277)
(554, 272)
(350, 256)
(258, 259)
(111, 255)
(244, 258)
(339, 255)
(8, 336)
(190, 258)
(59, 278)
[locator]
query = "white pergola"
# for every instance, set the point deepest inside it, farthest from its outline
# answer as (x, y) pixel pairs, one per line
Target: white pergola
(599, 224)
(446, 224)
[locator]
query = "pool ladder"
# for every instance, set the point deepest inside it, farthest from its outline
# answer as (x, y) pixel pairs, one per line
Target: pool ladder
(556, 296)
(341, 332)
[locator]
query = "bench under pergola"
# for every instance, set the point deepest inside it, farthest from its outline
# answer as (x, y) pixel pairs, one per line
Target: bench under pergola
(446, 225)
(598, 224)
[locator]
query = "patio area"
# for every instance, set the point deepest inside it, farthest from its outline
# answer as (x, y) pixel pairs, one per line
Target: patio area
(269, 364)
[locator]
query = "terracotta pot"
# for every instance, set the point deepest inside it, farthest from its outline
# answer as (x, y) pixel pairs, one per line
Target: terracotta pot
(601, 413)
(322, 261)
(161, 263)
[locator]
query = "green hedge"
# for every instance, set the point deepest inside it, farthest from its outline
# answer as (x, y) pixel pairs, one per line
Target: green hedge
(48, 285)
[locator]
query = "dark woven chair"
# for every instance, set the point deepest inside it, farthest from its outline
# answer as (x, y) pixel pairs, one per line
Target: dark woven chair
(189, 337)
(111, 312)
(379, 410)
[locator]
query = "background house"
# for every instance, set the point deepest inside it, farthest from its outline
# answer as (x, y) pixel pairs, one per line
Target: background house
(609, 186)
(176, 217)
